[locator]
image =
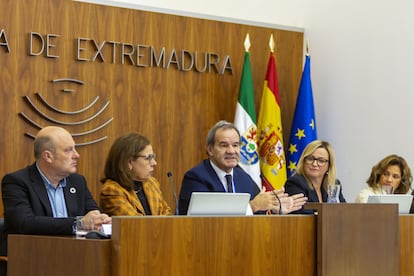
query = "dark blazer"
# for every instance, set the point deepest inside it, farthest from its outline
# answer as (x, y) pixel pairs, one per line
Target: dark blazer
(297, 184)
(203, 178)
(27, 208)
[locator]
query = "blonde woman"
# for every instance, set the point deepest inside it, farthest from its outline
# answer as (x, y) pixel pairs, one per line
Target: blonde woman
(316, 170)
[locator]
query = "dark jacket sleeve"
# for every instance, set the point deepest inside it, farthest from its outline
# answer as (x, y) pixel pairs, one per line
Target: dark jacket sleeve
(24, 213)
(193, 181)
(27, 208)
(296, 184)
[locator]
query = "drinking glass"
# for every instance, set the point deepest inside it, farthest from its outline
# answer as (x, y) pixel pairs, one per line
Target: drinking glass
(387, 189)
(81, 228)
(333, 193)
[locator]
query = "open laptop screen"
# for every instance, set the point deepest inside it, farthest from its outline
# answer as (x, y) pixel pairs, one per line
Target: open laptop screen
(403, 200)
(218, 204)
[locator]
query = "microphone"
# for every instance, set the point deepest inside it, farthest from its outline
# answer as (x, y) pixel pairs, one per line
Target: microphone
(266, 183)
(269, 187)
(169, 175)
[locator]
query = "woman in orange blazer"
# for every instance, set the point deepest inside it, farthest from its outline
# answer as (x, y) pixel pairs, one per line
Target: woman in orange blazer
(128, 186)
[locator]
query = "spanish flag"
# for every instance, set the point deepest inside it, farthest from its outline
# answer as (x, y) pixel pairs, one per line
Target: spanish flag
(270, 134)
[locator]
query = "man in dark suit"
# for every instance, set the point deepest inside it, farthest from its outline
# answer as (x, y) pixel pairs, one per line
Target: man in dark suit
(45, 197)
(223, 149)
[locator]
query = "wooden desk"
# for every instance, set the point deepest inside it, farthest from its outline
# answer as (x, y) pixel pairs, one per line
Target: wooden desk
(253, 245)
(196, 246)
(47, 255)
(30, 255)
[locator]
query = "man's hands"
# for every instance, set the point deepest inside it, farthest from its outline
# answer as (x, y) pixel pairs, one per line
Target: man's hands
(93, 220)
(269, 201)
(292, 203)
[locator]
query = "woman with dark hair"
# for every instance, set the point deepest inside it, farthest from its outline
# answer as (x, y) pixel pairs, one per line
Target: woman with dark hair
(393, 172)
(128, 186)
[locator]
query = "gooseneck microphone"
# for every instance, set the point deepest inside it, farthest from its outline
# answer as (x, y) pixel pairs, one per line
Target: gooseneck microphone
(269, 186)
(169, 175)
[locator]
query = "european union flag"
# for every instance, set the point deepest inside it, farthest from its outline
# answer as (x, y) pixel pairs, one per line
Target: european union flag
(304, 124)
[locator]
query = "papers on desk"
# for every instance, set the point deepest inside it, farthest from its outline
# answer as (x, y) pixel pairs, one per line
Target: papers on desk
(107, 229)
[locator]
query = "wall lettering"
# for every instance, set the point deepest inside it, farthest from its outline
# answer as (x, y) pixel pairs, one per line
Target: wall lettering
(39, 44)
(149, 56)
(138, 55)
(3, 41)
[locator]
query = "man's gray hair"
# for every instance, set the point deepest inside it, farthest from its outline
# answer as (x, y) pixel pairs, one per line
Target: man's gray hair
(219, 125)
(41, 144)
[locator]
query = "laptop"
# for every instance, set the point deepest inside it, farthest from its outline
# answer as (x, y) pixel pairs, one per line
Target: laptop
(218, 204)
(403, 200)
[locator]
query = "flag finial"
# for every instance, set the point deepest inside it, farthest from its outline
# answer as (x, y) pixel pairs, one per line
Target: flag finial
(307, 47)
(271, 43)
(247, 43)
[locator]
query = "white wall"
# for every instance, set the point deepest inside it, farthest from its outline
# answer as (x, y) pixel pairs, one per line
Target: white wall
(362, 53)
(362, 57)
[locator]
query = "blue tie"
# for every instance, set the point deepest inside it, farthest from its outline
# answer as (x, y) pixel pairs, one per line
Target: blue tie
(229, 183)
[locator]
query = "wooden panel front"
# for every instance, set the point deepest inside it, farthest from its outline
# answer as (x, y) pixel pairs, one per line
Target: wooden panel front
(47, 255)
(357, 239)
(260, 245)
(406, 242)
(98, 47)
(26, 250)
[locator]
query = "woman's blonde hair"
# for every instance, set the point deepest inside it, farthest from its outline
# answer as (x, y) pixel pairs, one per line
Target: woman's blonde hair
(330, 177)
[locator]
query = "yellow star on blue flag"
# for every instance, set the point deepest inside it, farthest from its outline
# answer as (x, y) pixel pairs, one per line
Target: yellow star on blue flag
(304, 124)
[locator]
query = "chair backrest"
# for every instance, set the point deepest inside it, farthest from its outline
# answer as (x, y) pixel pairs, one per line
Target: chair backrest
(2, 258)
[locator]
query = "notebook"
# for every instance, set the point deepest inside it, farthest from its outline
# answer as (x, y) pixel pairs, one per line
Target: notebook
(218, 204)
(403, 201)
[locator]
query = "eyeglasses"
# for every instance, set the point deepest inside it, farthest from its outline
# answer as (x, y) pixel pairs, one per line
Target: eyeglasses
(320, 161)
(148, 157)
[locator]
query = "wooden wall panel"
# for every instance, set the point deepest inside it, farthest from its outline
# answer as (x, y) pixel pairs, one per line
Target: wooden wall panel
(173, 108)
